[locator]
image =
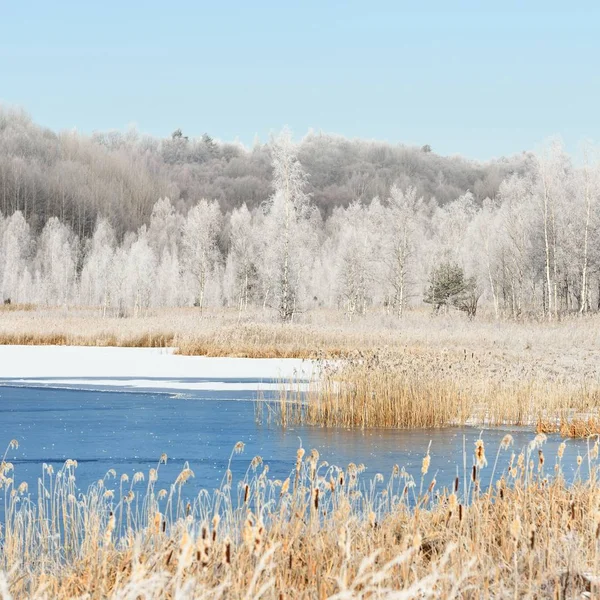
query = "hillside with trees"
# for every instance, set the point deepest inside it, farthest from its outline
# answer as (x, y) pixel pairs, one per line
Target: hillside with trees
(126, 222)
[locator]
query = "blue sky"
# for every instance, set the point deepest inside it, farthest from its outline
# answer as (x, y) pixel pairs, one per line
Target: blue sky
(479, 79)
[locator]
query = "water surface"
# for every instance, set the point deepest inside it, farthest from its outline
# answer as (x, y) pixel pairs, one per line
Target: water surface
(129, 430)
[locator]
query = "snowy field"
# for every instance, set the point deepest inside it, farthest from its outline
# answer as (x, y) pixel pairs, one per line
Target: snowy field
(156, 369)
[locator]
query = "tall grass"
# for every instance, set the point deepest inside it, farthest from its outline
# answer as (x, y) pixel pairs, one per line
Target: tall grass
(422, 389)
(323, 532)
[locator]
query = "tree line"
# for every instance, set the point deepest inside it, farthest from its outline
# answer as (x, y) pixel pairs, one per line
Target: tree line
(530, 247)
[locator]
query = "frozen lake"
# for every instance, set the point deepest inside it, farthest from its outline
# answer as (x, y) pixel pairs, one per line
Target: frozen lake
(122, 408)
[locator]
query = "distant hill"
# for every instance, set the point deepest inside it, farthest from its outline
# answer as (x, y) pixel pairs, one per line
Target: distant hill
(120, 175)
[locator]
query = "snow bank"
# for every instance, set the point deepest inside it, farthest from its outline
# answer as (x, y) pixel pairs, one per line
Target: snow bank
(149, 368)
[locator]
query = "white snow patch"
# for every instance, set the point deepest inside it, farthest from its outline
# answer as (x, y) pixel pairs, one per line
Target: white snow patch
(152, 368)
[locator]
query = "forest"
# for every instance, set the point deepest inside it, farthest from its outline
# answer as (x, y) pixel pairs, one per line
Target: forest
(126, 222)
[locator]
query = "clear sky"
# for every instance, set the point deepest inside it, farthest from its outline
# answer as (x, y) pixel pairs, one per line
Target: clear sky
(480, 79)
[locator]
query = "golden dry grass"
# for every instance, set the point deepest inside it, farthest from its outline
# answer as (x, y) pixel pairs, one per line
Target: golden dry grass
(425, 389)
(318, 534)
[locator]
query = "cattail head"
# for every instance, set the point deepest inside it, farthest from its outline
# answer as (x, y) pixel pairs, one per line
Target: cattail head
(372, 519)
(425, 464)
(157, 522)
(515, 529)
(285, 487)
(227, 553)
(561, 450)
(110, 526)
(452, 502)
(579, 460)
(480, 458)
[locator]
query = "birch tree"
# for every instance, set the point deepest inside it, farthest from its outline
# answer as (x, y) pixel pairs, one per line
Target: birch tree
(199, 241)
(404, 211)
(287, 209)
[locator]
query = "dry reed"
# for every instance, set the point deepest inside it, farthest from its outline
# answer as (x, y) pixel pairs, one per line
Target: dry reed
(327, 534)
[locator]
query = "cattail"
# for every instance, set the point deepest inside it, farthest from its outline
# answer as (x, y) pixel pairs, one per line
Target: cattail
(452, 502)
(110, 527)
(515, 529)
(186, 551)
(480, 454)
(425, 464)
(284, 487)
(474, 473)
(247, 529)
(157, 522)
(456, 482)
(532, 537)
(540, 460)
(579, 460)
(371, 518)
(215, 523)
(316, 498)
(246, 493)
(416, 541)
(227, 553)
(561, 450)
(460, 512)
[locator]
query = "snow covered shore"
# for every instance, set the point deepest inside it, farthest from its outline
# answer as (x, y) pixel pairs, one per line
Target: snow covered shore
(148, 368)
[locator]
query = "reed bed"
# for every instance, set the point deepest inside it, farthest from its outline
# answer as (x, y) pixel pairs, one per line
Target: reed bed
(323, 532)
(422, 389)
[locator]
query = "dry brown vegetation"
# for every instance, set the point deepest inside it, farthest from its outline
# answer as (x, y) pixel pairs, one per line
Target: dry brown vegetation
(317, 534)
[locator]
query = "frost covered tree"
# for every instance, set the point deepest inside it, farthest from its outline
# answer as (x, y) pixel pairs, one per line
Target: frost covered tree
(241, 268)
(98, 267)
(56, 263)
(139, 269)
(16, 245)
(284, 248)
(404, 213)
(200, 249)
